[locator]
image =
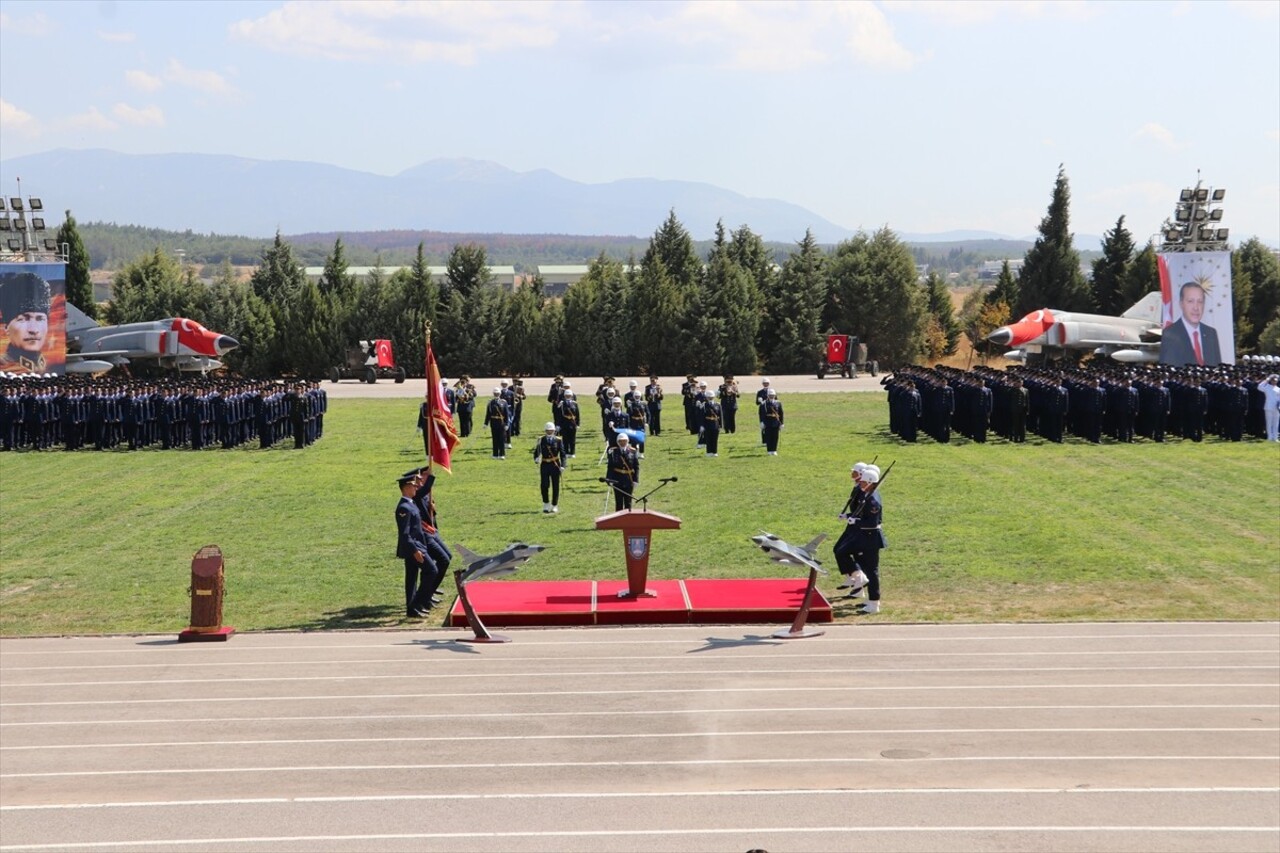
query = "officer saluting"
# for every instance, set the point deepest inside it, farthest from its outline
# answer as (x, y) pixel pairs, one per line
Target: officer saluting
(411, 546)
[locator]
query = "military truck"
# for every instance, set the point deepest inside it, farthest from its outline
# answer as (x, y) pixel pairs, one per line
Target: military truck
(368, 362)
(845, 356)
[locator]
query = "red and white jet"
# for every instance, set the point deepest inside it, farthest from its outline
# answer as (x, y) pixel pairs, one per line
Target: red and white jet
(174, 342)
(1134, 336)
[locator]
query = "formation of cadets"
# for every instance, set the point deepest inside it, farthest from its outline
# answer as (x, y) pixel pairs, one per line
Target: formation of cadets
(1119, 401)
(78, 412)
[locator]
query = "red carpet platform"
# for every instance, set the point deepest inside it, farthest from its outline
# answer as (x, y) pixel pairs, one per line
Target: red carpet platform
(679, 602)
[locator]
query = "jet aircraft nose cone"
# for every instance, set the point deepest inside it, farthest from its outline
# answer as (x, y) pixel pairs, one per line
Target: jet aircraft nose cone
(1001, 336)
(225, 344)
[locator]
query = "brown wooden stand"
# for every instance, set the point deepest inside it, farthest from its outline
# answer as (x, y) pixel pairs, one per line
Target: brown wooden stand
(798, 630)
(637, 527)
(482, 634)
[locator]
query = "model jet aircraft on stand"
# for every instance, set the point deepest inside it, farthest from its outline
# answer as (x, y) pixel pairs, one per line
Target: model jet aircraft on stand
(174, 342)
(1134, 336)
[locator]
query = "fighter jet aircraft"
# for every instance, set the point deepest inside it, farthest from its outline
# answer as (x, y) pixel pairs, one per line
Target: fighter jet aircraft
(791, 555)
(497, 565)
(174, 342)
(1134, 336)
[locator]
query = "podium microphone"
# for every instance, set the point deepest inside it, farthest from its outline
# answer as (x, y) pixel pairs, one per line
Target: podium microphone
(669, 480)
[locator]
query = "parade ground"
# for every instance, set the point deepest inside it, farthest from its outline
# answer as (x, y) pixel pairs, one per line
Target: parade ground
(1063, 737)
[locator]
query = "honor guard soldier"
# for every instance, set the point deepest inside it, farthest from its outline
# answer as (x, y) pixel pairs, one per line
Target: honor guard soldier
(549, 454)
(771, 421)
(761, 395)
(424, 499)
(868, 537)
(624, 472)
(843, 549)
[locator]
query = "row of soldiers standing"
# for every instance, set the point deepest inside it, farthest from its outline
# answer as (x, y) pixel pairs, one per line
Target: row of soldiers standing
(76, 412)
(1120, 401)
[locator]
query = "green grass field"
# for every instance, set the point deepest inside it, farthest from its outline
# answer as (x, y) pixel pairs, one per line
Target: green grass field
(102, 542)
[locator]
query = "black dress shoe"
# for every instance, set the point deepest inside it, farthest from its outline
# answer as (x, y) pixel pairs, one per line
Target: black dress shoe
(416, 613)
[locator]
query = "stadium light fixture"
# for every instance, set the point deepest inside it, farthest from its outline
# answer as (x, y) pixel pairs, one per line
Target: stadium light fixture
(1219, 194)
(36, 204)
(15, 245)
(1183, 214)
(3, 204)
(19, 224)
(1186, 195)
(1215, 215)
(1223, 232)
(50, 245)
(37, 223)
(1201, 214)
(1202, 194)
(1206, 232)
(5, 224)
(15, 203)
(1173, 234)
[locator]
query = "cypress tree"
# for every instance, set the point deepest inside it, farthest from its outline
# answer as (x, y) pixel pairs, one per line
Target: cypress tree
(1110, 270)
(79, 286)
(1051, 276)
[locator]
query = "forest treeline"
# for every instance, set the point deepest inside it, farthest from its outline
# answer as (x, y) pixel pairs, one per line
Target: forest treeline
(737, 307)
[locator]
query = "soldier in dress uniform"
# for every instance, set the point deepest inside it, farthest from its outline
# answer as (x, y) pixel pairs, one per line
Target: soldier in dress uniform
(728, 393)
(653, 400)
(689, 392)
(772, 420)
(411, 546)
(495, 416)
(568, 416)
(868, 537)
(623, 472)
(549, 453)
(712, 421)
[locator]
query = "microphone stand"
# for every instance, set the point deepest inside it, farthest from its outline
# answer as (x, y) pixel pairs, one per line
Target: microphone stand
(644, 499)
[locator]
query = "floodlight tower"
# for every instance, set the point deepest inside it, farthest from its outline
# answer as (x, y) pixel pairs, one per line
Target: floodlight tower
(23, 235)
(1194, 226)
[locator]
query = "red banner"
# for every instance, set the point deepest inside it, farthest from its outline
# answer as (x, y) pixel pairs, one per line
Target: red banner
(442, 436)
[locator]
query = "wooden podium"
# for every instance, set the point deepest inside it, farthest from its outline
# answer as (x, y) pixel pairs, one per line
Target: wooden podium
(637, 527)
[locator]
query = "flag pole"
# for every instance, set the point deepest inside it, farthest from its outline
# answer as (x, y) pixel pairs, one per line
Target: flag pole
(430, 398)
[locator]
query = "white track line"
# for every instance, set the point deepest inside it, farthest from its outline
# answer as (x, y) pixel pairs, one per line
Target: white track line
(807, 709)
(639, 736)
(692, 762)
(1198, 686)
(631, 795)
(651, 673)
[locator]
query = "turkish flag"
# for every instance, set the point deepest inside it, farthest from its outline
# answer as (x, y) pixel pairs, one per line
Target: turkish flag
(442, 436)
(837, 349)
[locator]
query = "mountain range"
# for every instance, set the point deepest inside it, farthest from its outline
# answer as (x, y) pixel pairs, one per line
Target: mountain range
(210, 193)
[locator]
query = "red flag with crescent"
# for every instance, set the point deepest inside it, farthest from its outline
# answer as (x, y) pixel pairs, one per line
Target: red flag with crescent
(442, 436)
(1166, 293)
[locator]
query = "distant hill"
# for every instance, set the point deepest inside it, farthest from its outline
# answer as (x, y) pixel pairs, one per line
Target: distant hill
(234, 195)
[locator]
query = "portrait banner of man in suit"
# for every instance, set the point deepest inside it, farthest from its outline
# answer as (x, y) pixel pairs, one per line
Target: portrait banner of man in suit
(1195, 290)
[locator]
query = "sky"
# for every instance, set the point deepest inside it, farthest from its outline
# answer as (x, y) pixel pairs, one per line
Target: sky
(922, 116)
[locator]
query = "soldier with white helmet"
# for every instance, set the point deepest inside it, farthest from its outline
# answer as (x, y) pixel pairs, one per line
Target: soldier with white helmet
(771, 421)
(868, 537)
(623, 472)
(549, 453)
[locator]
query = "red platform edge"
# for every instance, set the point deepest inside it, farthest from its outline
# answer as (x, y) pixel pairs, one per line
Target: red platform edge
(191, 635)
(677, 602)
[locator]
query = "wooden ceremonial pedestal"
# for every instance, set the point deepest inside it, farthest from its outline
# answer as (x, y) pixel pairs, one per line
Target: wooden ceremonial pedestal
(799, 630)
(637, 527)
(207, 587)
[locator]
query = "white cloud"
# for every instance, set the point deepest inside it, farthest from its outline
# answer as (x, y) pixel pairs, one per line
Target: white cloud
(151, 116)
(91, 119)
(209, 82)
(119, 38)
(26, 25)
(143, 81)
(971, 12)
(1159, 133)
(451, 32)
(763, 35)
(17, 120)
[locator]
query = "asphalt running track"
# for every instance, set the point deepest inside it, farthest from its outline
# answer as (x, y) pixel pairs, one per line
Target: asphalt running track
(1063, 737)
